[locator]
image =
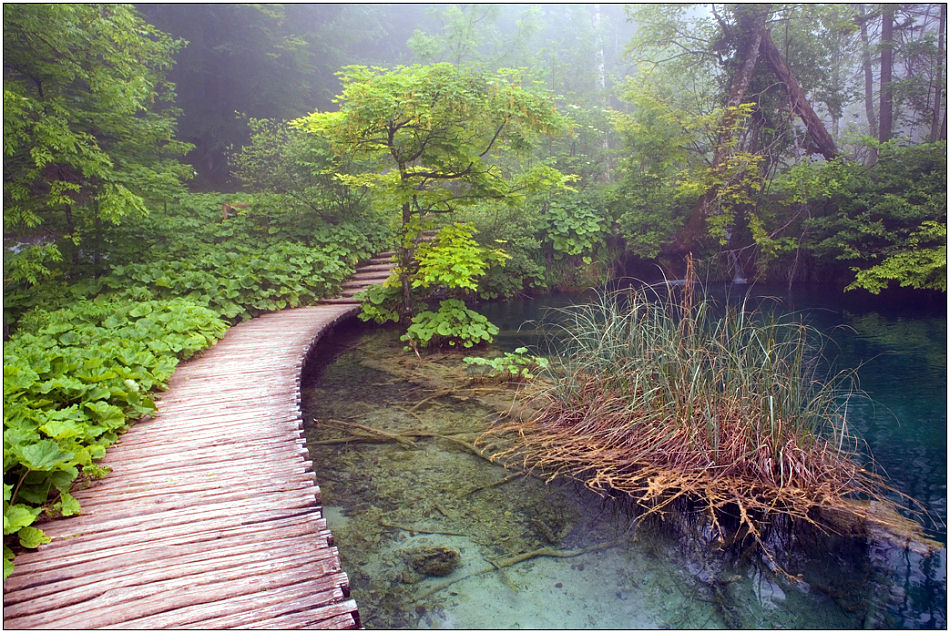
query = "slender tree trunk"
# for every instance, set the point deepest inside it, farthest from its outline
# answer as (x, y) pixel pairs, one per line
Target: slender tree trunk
(404, 257)
(755, 26)
(940, 83)
(887, 69)
(821, 141)
(71, 232)
(868, 73)
(602, 81)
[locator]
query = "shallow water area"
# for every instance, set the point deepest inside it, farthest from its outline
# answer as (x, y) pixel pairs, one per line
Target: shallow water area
(392, 450)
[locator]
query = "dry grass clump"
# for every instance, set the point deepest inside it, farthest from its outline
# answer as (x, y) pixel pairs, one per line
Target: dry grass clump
(656, 398)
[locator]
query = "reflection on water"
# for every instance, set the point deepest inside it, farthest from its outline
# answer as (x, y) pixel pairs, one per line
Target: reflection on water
(418, 491)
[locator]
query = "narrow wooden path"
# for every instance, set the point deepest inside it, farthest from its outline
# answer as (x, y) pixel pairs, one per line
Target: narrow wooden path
(211, 517)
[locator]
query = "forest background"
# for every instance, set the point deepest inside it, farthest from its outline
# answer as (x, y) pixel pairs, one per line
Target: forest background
(575, 144)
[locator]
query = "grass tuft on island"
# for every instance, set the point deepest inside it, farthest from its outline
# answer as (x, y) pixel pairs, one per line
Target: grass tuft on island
(654, 396)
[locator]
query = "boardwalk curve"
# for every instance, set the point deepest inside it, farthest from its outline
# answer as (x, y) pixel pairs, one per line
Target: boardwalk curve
(211, 517)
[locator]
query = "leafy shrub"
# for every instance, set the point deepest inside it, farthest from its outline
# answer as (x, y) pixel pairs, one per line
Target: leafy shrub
(379, 301)
(454, 259)
(453, 323)
(73, 380)
(884, 222)
(511, 366)
(576, 226)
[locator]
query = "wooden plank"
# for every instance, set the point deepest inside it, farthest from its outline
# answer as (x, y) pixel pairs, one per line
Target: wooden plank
(203, 454)
(122, 603)
(118, 490)
(233, 509)
(89, 580)
(308, 619)
(42, 579)
(135, 506)
(55, 557)
(142, 480)
(238, 612)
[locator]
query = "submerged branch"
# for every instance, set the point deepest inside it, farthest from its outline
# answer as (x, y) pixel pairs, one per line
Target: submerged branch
(520, 558)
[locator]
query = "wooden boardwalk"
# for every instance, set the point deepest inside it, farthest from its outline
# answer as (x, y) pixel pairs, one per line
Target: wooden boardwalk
(211, 517)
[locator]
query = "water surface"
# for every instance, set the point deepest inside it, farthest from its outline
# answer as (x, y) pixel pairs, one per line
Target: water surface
(386, 500)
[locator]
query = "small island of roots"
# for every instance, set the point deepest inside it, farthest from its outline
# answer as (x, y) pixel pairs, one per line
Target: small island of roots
(654, 397)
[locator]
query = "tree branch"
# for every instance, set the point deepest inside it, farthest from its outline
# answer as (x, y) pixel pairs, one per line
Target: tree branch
(494, 138)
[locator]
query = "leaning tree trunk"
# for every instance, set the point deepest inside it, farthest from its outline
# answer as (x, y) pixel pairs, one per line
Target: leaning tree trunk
(685, 241)
(821, 141)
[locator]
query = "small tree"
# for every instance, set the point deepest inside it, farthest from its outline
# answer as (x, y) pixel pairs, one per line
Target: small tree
(437, 139)
(88, 129)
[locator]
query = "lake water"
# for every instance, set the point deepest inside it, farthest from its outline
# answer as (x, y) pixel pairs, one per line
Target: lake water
(388, 501)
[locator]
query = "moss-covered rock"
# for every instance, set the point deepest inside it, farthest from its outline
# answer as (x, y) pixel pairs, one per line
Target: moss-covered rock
(433, 560)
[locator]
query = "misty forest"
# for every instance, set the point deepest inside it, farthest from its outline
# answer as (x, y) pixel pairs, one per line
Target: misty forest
(690, 259)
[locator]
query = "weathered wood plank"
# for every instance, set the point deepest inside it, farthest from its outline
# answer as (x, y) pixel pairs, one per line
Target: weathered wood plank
(238, 612)
(87, 581)
(44, 580)
(307, 619)
(122, 603)
(57, 558)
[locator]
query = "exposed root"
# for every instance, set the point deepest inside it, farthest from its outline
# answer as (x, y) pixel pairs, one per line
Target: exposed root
(655, 467)
(362, 433)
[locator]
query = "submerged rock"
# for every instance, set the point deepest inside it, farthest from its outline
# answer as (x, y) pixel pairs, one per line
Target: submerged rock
(433, 560)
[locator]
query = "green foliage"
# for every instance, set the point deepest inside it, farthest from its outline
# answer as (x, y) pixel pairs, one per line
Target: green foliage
(912, 265)
(437, 140)
(295, 167)
(452, 324)
(511, 366)
(453, 259)
(263, 259)
(575, 225)
(87, 126)
(885, 222)
(659, 177)
(432, 134)
(73, 380)
(379, 302)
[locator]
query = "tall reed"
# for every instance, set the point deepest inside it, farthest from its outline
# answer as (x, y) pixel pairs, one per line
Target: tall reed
(656, 395)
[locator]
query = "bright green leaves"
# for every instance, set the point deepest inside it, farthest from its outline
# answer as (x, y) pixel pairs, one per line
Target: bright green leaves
(454, 259)
(43, 455)
(510, 366)
(911, 265)
(32, 537)
(378, 302)
(575, 225)
(452, 324)
(17, 516)
(438, 139)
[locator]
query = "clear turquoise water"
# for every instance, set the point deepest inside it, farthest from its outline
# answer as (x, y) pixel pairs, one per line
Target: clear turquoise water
(652, 580)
